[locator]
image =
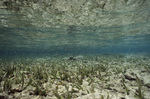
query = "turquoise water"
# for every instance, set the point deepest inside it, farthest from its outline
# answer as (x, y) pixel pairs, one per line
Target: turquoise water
(23, 39)
(76, 40)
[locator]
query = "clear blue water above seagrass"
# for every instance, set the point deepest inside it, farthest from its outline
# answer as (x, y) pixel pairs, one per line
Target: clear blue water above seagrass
(26, 40)
(75, 40)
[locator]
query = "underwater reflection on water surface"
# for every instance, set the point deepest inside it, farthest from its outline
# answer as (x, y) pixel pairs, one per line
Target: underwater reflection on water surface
(76, 40)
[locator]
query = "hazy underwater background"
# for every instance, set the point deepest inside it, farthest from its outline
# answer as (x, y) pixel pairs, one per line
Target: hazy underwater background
(49, 28)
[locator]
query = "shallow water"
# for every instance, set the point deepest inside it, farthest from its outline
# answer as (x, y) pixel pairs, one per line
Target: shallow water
(75, 40)
(21, 39)
(115, 51)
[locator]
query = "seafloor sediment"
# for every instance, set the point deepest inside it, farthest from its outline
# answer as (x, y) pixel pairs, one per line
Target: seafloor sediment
(80, 77)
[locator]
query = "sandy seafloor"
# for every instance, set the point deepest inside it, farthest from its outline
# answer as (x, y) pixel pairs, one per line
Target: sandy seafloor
(76, 77)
